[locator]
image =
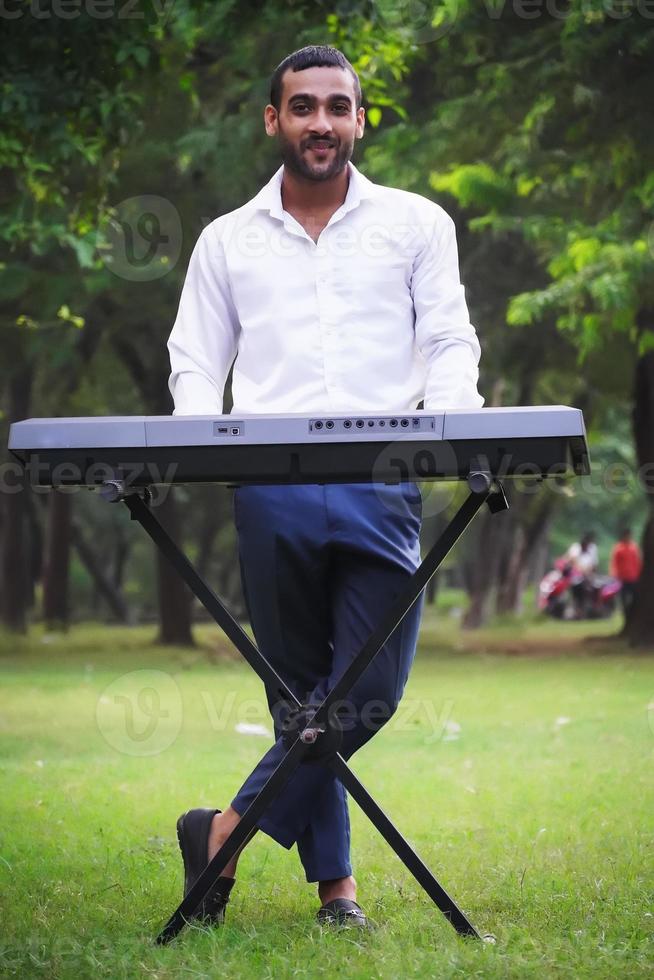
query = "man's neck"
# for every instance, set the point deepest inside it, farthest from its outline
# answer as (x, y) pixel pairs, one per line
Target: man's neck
(303, 196)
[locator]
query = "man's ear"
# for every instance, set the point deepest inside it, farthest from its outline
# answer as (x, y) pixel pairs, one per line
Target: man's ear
(361, 122)
(270, 117)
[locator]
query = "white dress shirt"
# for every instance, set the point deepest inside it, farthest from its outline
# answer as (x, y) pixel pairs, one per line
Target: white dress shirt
(371, 318)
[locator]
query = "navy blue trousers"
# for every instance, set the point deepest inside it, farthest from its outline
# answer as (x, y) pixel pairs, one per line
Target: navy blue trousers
(319, 566)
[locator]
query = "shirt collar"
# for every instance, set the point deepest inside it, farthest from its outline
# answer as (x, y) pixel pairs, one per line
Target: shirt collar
(269, 197)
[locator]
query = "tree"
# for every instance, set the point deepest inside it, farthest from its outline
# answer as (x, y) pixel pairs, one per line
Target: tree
(538, 128)
(68, 105)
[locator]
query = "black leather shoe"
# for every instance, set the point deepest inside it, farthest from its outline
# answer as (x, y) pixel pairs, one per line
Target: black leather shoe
(193, 829)
(342, 912)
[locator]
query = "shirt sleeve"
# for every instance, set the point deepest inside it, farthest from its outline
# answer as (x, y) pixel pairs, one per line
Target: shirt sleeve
(204, 338)
(444, 335)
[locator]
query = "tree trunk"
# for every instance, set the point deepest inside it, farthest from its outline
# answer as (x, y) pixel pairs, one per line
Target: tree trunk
(211, 521)
(482, 569)
(14, 565)
(35, 549)
(122, 548)
(432, 589)
(104, 586)
(513, 572)
(639, 627)
(495, 543)
(57, 554)
(532, 523)
(174, 596)
(148, 368)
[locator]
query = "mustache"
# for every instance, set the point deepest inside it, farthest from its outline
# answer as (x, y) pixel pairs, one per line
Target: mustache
(317, 141)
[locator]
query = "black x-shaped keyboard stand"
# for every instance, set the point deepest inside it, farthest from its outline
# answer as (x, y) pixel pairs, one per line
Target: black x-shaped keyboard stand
(313, 733)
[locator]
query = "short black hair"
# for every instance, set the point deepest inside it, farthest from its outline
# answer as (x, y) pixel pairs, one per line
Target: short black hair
(312, 56)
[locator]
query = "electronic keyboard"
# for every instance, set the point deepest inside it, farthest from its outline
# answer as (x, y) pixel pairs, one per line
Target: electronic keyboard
(540, 442)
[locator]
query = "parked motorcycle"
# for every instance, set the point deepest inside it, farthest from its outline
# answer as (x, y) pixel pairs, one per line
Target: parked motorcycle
(565, 594)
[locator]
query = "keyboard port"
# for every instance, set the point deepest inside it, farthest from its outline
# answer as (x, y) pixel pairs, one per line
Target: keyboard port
(404, 423)
(318, 425)
(394, 423)
(329, 425)
(359, 423)
(347, 424)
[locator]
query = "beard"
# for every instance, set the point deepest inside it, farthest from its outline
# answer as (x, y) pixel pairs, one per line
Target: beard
(297, 162)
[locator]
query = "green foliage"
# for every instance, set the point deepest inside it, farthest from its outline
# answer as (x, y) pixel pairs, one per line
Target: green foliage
(474, 184)
(556, 114)
(534, 133)
(608, 500)
(67, 110)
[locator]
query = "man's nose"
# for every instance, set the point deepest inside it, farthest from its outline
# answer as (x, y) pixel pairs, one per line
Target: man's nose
(320, 121)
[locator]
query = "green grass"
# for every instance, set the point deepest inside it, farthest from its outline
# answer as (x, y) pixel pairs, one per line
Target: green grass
(536, 815)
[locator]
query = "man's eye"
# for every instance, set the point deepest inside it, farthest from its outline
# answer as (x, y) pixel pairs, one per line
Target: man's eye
(341, 108)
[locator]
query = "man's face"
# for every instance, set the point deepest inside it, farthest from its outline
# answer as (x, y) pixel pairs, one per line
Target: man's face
(317, 122)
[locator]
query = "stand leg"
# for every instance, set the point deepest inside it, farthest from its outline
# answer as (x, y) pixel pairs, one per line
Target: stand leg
(403, 849)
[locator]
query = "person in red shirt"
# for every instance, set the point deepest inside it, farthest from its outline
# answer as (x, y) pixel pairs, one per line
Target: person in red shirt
(626, 564)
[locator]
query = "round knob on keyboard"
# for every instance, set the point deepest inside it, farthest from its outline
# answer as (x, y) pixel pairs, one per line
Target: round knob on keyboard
(112, 490)
(479, 481)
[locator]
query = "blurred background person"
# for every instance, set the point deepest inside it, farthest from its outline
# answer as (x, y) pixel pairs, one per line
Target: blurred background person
(584, 558)
(626, 564)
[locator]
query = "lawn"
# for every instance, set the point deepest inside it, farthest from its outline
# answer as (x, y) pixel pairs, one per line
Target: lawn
(519, 765)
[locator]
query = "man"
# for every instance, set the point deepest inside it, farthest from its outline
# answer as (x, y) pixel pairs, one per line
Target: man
(583, 555)
(584, 558)
(626, 565)
(335, 295)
